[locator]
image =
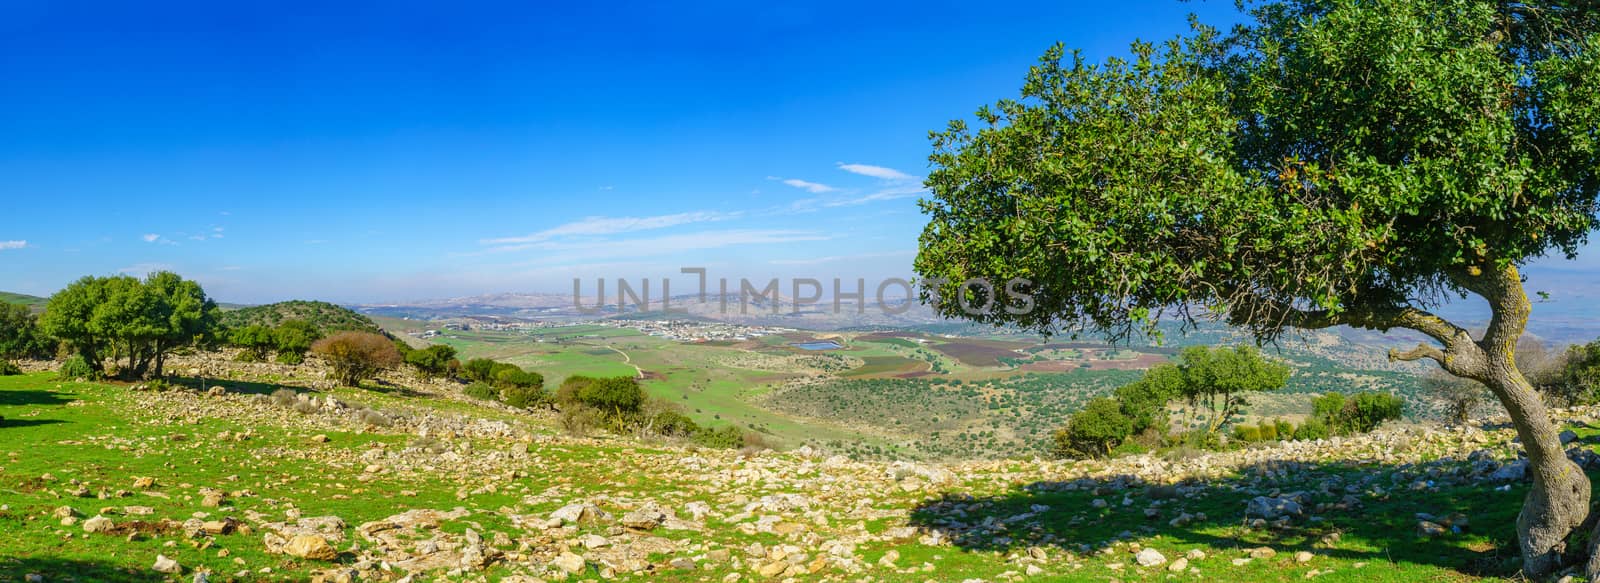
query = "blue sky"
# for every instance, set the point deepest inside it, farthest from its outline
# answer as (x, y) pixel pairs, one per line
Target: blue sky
(389, 150)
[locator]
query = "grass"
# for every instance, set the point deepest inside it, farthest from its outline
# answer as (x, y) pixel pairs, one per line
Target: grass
(104, 436)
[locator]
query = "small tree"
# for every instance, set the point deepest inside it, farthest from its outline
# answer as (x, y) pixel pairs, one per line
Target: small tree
(256, 340)
(1367, 410)
(293, 338)
(357, 356)
(1217, 379)
(434, 361)
(20, 336)
(142, 321)
(1094, 430)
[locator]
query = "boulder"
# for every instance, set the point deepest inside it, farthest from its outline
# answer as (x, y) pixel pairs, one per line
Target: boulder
(1150, 558)
(310, 546)
(1272, 508)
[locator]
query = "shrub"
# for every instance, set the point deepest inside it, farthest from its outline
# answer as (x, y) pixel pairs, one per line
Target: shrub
(727, 437)
(1285, 429)
(434, 361)
(674, 424)
(1268, 431)
(580, 420)
(292, 339)
(8, 368)
(483, 391)
(523, 397)
(1093, 431)
(357, 356)
(285, 398)
(1368, 410)
(1247, 433)
(479, 369)
(256, 340)
(74, 368)
(375, 418)
(513, 376)
(1312, 429)
(1327, 406)
(305, 406)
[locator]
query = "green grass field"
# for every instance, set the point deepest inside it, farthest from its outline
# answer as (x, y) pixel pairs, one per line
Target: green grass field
(59, 437)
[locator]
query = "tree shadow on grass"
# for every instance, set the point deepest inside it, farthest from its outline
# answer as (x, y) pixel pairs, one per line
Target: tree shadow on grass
(232, 386)
(1352, 512)
(34, 397)
(60, 569)
(9, 423)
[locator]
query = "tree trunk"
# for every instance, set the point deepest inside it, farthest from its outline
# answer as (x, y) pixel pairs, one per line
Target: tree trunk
(1558, 502)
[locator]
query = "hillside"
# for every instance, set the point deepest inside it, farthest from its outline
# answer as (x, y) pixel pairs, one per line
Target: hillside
(325, 316)
(347, 484)
(34, 302)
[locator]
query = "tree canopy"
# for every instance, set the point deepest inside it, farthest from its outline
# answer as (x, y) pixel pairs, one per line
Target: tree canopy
(1326, 163)
(141, 321)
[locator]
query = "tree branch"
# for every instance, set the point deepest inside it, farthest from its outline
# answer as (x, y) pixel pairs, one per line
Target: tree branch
(1423, 350)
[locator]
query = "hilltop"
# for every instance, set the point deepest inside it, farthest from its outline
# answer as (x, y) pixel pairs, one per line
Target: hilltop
(339, 484)
(325, 316)
(34, 302)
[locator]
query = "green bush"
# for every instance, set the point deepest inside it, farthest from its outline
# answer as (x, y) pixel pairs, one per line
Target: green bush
(291, 357)
(674, 424)
(8, 368)
(483, 391)
(1285, 429)
(523, 397)
(75, 368)
(1327, 406)
(1366, 411)
(1268, 431)
(1312, 429)
(434, 361)
(1247, 433)
(1094, 431)
(728, 437)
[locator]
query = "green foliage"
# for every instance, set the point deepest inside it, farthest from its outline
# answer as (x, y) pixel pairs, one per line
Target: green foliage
(1092, 432)
(1347, 156)
(143, 321)
(8, 368)
(727, 437)
(674, 424)
(1579, 375)
(434, 361)
(76, 367)
(1367, 410)
(1284, 429)
(1268, 431)
(479, 369)
(20, 336)
(323, 317)
(290, 357)
(1327, 406)
(294, 337)
(1247, 433)
(1312, 429)
(1359, 413)
(513, 376)
(523, 397)
(1144, 402)
(482, 391)
(255, 339)
(357, 356)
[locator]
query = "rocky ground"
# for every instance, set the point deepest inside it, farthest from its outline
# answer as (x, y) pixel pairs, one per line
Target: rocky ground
(242, 481)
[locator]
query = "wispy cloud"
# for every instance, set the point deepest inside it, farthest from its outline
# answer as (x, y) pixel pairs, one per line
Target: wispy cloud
(9, 245)
(151, 238)
(887, 193)
(811, 187)
(596, 226)
(878, 172)
(838, 258)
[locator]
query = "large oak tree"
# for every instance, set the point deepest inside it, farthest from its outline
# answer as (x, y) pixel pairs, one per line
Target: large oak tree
(1328, 163)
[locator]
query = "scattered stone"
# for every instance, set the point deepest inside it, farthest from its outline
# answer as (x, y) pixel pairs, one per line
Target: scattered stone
(1179, 565)
(1150, 558)
(98, 524)
(310, 546)
(568, 562)
(1303, 557)
(166, 565)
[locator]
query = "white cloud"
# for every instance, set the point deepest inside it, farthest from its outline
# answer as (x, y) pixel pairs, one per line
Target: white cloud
(8, 245)
(151, 238)
(890, 193)
(838, 258)
(594, 226)
(811, 187)
(878, 172)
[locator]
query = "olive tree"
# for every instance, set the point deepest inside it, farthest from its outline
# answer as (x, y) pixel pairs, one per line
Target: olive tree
(1326, 163)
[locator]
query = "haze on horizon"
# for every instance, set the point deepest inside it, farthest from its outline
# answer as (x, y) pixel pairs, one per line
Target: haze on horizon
(390, 152)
